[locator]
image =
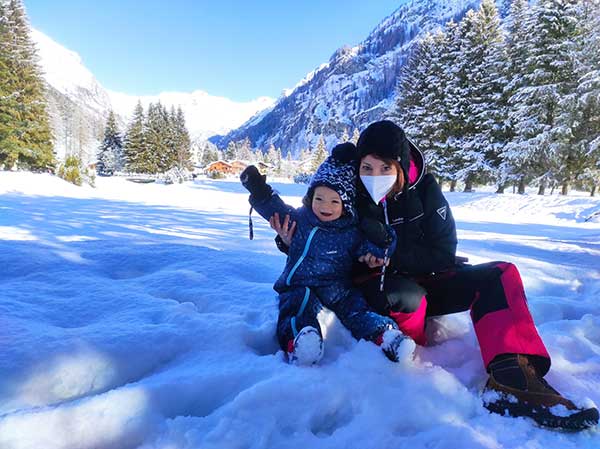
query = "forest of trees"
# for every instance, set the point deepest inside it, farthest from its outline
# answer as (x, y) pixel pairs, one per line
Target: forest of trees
(513, 104)
(306, 162)
(155, 141)
(25, 135)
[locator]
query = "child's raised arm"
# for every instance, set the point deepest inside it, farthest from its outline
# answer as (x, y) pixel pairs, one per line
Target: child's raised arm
(262, 198)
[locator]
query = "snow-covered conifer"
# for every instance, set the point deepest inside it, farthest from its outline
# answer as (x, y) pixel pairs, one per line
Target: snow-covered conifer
(134, 141)
(455, 99)
(345, 136)
(271, 155)
(231, 151)
(477, 93)
(183, 142)
(244, 150)
(549, 77)
(156, 156)
(578, 122)
(319, 155)
(355, 136)
(110, 153)
(207, 153)
(279, 163)
(513, 166)
(25, 135)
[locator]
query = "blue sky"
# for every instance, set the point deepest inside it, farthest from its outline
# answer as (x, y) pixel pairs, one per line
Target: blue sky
(232, 48)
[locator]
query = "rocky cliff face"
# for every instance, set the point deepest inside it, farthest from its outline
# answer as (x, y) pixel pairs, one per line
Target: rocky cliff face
(356, 86)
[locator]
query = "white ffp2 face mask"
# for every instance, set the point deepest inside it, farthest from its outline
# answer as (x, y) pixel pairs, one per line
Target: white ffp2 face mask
(378, 186)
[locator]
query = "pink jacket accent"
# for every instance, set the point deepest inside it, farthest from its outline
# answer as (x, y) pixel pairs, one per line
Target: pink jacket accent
(413, 173)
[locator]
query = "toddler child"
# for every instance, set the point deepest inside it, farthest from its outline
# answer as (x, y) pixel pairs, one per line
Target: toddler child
(317, 273)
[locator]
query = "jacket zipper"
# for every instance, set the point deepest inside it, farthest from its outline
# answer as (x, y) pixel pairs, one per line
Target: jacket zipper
(304, 253)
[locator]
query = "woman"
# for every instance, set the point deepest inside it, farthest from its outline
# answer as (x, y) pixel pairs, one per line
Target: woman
(422, 279)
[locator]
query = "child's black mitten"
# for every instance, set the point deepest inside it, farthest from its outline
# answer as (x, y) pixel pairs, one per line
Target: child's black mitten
(255, 183)
(376, 232)
(345, 152)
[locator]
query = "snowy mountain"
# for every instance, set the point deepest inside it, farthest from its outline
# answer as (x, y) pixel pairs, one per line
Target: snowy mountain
(79, 104)
(206, 115)
(354, 88)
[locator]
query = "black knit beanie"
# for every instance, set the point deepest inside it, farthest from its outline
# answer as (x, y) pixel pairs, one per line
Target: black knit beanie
(339, 173)
(386, 140)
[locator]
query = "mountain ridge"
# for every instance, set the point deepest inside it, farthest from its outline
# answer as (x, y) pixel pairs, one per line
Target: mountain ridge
(355, 87)
(78, 104)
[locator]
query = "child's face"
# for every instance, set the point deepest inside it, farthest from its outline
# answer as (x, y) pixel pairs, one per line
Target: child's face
(327, 204)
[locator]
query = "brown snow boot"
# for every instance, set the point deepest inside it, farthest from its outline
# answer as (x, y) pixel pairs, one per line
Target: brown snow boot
(515, 388)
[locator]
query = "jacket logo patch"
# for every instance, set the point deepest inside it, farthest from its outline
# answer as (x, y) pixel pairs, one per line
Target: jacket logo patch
(442, 212)
(331, 252)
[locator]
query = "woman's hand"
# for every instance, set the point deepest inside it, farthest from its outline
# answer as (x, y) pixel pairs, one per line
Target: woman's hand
(285, 230)
(372, 261)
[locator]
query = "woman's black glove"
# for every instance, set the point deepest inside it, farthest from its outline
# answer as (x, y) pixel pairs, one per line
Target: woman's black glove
(376, 232)
(255, 183)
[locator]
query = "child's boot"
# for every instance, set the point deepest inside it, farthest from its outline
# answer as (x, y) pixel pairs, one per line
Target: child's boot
(307, 348)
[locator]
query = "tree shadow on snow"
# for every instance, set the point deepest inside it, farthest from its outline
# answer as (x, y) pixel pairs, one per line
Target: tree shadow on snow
(75, 248)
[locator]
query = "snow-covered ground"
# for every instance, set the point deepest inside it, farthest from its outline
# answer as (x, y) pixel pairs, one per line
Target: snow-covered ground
(141, 316)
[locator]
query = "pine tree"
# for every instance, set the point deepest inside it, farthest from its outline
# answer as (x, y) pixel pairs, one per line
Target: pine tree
(208, 153)
(320, 155)
(514, 163)
(271, 157)
(231, 151)
(25, 136)
(171, 137)
(244, 150)
(183, 142)
(279, 163)
(436, 106)
(550, 76)
(305, 160)
(158, 153)
(355, 136)
(579, 118)
(454, 99)
(110, 153)
(261, 156)
(433, 130)
(482, 66)
(459, 122)
(288, 167)
(411, 108)
(589, 94)
(305, 155)
(345, 136)
(134, 143)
